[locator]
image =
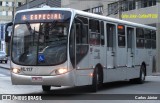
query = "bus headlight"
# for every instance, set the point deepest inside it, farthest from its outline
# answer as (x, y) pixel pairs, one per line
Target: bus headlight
(61, 71)
(16, 70)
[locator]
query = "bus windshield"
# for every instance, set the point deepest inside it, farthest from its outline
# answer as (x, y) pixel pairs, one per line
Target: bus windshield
(42, 43)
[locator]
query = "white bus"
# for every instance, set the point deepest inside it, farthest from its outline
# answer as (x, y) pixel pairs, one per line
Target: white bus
(68, 47)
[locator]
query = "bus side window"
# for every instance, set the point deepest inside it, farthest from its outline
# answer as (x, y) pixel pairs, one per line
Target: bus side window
(153, 39)
(102, 33)
(139, 38)
(81, 31)
(94, 26)
(78, 33)
(121, 35)
(129, 38)
(110, 33)
(147, 35)
(81, 27)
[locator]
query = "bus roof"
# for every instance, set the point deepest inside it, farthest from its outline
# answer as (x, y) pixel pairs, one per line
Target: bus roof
(92, 16)
(113, 19)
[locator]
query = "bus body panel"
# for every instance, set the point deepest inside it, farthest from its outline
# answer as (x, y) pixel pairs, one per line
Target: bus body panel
(133, 72)
(66, 79)
(94, 56)
(83, 70)
(38, 70)
(84, 76)
(121, 57)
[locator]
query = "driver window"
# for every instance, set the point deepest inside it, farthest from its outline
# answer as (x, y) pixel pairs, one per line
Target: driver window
(81, 30)
(81, 25)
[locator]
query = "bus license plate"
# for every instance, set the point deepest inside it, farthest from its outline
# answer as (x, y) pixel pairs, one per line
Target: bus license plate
(37, 79)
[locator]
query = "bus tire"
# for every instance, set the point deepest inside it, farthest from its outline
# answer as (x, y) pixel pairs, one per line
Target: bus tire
(46, 88)
(142, 75)
(141, 79)
(94, 86)
(97, 79)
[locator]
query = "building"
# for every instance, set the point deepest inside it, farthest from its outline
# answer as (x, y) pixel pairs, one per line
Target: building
(139, 11)
(2, 29)
(7, 9)
(39, 3)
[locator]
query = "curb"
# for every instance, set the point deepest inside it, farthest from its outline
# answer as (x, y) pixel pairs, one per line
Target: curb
(156, 75)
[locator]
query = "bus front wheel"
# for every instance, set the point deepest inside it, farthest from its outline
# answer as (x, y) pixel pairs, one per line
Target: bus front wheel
(96, 80)
(46, 88)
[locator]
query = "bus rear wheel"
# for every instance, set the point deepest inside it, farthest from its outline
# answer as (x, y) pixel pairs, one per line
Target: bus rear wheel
(141, 79)
(142, 75)
(46, 88)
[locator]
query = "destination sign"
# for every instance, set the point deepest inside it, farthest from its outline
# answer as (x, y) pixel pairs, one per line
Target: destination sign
(52, 16)
(42, 16)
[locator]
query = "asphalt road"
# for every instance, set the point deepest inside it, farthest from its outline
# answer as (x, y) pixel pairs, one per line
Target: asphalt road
(116, 90)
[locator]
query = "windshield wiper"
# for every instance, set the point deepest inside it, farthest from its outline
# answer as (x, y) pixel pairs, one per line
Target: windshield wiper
(23, 56)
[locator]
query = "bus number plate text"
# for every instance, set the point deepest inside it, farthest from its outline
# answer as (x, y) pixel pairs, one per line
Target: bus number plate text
(37, 79)
(26, 69)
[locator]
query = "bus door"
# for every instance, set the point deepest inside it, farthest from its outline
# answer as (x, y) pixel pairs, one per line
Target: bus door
(112, 72)
(82, 48)
(130, 46)
(121, 52)
(111, 44)
(103, 51)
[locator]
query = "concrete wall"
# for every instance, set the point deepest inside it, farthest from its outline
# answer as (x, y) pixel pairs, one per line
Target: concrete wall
(38, 3)
(87, 4)
(82, 5)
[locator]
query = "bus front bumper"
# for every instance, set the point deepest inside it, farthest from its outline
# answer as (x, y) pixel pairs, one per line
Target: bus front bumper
(66, 79)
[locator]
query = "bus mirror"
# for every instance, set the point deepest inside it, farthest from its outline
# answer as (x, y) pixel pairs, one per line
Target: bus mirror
(7, 37)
